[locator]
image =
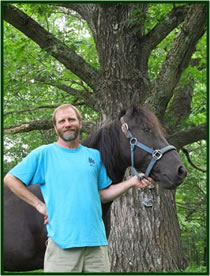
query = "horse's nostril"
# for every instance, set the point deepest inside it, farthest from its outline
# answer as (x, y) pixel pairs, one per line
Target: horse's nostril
(182, 171)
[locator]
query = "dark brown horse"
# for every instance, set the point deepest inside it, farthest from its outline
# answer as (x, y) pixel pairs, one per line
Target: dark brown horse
(134, 139)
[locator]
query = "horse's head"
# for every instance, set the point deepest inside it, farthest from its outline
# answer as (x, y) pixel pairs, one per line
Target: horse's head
(150, 152)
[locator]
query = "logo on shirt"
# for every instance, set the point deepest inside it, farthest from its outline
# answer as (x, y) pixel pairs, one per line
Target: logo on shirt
(91, 161)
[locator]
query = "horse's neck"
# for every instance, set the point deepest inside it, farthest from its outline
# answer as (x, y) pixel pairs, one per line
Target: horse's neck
(116, 171)
(114, 166)
(116, 176)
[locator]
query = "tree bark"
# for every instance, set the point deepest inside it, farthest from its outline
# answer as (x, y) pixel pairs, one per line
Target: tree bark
(186, 137)
(145, 239)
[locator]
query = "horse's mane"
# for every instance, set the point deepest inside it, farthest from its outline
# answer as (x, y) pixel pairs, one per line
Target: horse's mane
(106, 140)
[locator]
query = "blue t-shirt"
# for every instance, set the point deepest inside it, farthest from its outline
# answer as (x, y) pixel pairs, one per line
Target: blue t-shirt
(70, 180)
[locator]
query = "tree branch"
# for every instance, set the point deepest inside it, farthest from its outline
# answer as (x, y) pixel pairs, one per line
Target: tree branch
(180, 107)
(185, 151)
(84, 10)
(29, 110)
(162, 29)
(49, 43)
(186, 137)
(86, 95)
(178, 58)
(42, 125)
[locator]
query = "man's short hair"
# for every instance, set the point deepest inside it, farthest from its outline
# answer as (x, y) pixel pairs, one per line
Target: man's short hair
(66, 106)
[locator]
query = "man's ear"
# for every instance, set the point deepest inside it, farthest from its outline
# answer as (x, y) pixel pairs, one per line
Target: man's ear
(55, 129)
(80, 124)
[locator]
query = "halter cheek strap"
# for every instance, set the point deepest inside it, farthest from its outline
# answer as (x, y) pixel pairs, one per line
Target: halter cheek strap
(156, 153)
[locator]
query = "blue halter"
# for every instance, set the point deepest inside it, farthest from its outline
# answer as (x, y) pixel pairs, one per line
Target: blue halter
(156, 153)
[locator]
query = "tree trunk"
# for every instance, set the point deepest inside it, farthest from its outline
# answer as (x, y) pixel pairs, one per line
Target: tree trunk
(145, 239)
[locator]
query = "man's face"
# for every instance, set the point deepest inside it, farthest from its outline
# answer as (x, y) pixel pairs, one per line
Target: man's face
(67, 124)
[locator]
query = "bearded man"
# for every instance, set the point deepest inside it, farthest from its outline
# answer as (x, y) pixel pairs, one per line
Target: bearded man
(73, 182)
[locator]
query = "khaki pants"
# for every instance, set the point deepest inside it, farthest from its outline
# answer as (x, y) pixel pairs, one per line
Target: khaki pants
(82, 259)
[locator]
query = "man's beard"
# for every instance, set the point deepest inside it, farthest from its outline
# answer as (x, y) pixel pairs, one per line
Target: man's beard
(69, 135)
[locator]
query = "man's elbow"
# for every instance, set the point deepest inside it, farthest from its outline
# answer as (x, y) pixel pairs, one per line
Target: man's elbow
(103, 200)
(9, 179)
(6, 179)
(103, 197)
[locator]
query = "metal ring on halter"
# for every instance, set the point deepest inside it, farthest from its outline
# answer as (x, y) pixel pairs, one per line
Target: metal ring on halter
(133, 141)
(124, 127)
(157, 154)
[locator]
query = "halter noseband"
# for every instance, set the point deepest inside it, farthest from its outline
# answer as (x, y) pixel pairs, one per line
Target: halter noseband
(156, 153)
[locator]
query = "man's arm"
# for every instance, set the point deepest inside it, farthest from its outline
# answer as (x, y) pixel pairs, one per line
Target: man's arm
(116, 190)
(20, 190)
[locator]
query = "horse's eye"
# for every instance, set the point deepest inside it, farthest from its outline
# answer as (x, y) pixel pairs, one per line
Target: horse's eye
(148, 130)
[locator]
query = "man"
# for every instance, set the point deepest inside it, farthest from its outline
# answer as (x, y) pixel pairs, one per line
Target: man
(73, 189)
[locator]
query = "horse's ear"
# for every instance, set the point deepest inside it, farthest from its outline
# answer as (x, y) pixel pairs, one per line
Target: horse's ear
(122, 113)
(127, 112)
(132, 110)
(133, 100)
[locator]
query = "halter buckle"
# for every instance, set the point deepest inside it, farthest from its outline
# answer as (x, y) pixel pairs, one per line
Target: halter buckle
(157, 154)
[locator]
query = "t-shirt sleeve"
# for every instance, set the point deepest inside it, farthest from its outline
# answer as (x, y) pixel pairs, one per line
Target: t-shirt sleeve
(104, 180)
(30, 170)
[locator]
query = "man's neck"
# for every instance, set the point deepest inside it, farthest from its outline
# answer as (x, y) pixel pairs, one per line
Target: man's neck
(70, 145)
